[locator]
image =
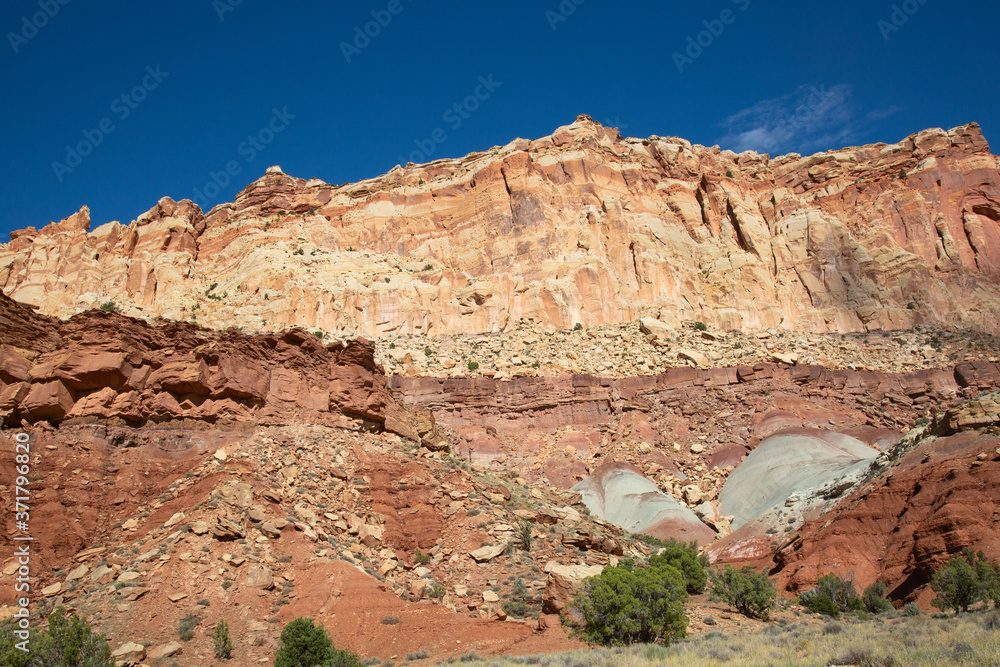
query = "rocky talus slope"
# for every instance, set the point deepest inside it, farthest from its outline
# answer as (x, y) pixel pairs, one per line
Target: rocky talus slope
(579, 227)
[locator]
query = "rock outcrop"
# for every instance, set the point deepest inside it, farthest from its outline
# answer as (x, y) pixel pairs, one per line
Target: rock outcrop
(104, 365)
(579, 227)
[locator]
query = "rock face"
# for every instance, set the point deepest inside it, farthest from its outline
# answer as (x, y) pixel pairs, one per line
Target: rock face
(582, 226)
(621, 495)
(939, 498)
(789, 467)
(104, 365)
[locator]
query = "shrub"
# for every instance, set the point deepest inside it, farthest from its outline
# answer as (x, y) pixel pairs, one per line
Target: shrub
(524, 534)
(110, 306)
(421, 558)
(623, 607)
(473, 365)
(701, 326)
(751, 593)
(66, 641)
(220, 641)
(965, 580)
(185, 629)
(874, 599)
(911, 609)
(831, 596)
(685, 559)
(436, 591)
(303, 644)
(318, 334)
(577, 327)
(516, 608)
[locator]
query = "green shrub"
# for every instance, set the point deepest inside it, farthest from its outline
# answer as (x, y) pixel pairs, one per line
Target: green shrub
(577, 327)
(473, 365)
(421, 558)
(524, 534)
(749, 592)
(831, 596)
(874, 599)
(623, 607)
(65, 642)
(701, 326)
(220, 641)
(303, 644)
(516, 608)
(965, 580)
(110, 306)
(686, 560)
(911, 609)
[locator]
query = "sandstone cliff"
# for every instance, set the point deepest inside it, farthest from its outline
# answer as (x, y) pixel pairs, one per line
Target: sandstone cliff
(582, 226)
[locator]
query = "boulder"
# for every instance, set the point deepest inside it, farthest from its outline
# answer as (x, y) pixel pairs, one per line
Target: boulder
(259, 576)
(562, 582)
(487, 553)
(129, 653)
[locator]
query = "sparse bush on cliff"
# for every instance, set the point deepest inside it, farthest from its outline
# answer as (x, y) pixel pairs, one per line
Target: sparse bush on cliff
(700, 326)
(110, 306)
(473, 365)
(221, 642)
(749, 592)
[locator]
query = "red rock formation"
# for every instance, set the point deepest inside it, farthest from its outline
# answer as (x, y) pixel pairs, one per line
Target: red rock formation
(582, 226)
(104, 365)
(903, 526)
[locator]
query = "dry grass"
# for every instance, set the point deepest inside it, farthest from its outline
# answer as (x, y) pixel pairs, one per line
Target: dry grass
(969, 640)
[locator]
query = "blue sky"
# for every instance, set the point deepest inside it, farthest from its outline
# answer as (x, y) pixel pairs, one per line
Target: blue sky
(115, 104)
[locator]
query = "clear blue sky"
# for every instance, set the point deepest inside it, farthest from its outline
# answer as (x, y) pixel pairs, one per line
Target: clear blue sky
(776, 76)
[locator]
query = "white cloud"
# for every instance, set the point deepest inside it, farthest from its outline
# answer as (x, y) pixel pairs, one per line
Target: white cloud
(810, 119)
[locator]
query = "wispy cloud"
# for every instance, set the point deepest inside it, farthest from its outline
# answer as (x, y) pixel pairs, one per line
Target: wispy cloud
(810, 119)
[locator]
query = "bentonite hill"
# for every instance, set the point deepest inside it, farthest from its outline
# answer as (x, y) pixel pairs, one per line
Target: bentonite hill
(347, 402)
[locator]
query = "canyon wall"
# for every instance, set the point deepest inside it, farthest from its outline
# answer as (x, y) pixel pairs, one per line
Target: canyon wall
(579, 227)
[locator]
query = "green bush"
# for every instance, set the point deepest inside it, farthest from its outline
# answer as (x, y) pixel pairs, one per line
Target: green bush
(874, 599)
(524, 534)
(221, 643)
(965, 580)
(751, 593)
(831, 596)
(303, 644)
(625, 607)
(911, 609)
(110, 306)
(421, 558)
(577, 327)
(66, 642)
(516, 608)
(701, 326)
(685, 559)
(473, 365)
